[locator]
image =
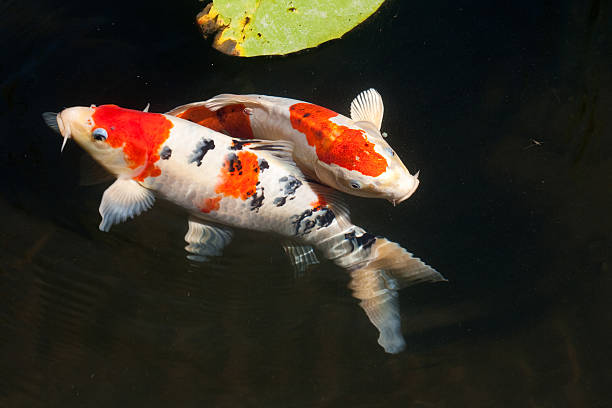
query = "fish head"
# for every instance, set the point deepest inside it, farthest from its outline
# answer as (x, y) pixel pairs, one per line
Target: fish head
(126, 142)
(375, 170)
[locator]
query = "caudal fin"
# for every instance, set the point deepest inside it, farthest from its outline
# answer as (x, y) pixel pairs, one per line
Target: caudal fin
(375, 282)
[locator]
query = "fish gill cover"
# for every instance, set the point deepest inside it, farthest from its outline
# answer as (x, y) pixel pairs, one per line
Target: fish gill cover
(249, 28)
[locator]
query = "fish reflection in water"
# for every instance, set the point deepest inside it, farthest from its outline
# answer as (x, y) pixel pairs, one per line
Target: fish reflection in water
(222, 183)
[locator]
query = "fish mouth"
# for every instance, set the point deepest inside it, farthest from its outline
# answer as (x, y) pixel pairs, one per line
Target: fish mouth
(410, 192)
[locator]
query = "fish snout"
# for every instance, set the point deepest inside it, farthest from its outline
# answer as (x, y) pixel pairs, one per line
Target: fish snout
(74, 123)
(411, 186)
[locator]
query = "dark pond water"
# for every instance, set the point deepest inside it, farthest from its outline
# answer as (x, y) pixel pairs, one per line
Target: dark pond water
(505, 109)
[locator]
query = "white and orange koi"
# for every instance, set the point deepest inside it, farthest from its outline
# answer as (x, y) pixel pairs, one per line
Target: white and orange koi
(222, 183)
(348, 154)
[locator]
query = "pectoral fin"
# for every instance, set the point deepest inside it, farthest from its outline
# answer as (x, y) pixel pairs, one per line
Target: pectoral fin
(206, 240)
(368, 106)
(122, 200)
(300, 256)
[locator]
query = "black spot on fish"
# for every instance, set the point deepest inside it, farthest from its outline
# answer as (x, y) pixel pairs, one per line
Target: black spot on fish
(306, 223)
(309, 225)
(289, 184)
(364, 241)
(165, 153)
(297, 220)
(257, 200)
(234, 163)
(238, 144)
(263, 164)
(201, 149)
(325, 219)
(280, 201)
(306, 115)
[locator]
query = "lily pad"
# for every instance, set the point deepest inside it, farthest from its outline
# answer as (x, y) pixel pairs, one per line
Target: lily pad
(248, 28)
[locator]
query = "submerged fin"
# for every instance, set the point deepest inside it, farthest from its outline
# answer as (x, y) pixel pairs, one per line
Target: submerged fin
(249, 101)
(91, 172)
(379, 268)
(281, 149)
(205, 240)
(122, 200)
(382, 309)
(368, 106)
(376, 282)
(300, 256)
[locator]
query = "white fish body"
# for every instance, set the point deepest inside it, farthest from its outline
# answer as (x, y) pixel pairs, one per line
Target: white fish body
(223, 182)
(348, 154)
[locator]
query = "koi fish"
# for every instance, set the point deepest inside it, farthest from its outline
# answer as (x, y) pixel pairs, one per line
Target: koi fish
(348, 154)
(222, 183)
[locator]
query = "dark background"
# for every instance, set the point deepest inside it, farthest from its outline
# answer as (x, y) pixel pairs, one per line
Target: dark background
(505, 109)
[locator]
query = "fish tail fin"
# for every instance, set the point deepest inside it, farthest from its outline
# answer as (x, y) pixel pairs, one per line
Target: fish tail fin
(379, 268)
(398, 267)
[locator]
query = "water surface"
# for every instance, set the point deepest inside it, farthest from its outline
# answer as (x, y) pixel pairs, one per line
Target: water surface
(504, 109)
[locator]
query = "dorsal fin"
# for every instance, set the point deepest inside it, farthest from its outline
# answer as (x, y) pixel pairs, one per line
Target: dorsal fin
(249, 101)
(335, 201)
(180, 109)
(368, 106)
(279, 149)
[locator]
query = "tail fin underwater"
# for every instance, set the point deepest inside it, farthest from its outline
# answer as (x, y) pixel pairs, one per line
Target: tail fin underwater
(379, 268)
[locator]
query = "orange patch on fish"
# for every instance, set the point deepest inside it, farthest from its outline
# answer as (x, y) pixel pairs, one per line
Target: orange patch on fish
(239, 176)
(211, 204)
(230, 119)
(336, 144)
(320, 203)
(139, 134)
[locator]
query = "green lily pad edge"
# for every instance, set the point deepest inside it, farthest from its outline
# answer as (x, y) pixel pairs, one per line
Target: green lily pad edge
(249, 28)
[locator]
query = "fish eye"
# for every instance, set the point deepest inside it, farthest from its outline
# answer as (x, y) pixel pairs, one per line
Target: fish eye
(355, 184)
(100, 134)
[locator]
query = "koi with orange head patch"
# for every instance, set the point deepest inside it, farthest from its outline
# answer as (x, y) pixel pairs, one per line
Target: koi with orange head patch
(225, 183)
(348, 154)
